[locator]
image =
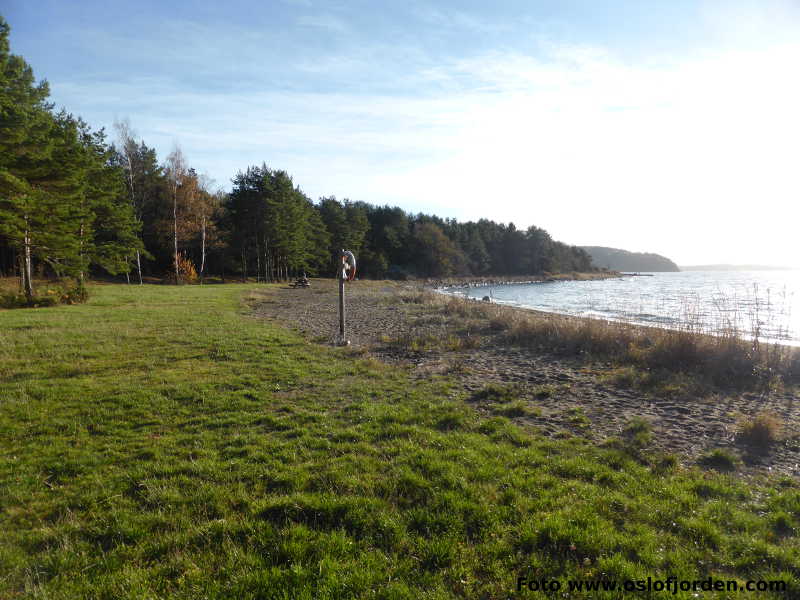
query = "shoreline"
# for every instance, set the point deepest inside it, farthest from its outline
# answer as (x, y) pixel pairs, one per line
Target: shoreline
(618, 321)
(458, 291)
(476, 282)
(560, 391)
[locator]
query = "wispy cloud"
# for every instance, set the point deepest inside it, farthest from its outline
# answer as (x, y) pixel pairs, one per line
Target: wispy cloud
(328, 22)
(578, 138)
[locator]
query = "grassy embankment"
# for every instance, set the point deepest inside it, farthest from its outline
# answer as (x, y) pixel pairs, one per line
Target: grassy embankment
(157, 441)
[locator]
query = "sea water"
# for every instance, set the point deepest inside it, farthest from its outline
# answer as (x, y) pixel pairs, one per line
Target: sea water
(765, 304)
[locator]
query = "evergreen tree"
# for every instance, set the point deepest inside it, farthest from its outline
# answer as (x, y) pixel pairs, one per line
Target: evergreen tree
(59, 195)
(26, 144)
(111, 226)
(347, 224)
(435, 255)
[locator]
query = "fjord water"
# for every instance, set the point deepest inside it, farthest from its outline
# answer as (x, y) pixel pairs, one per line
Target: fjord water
(766, 303)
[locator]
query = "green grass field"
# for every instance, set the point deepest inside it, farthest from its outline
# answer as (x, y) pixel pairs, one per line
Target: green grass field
(160, 442)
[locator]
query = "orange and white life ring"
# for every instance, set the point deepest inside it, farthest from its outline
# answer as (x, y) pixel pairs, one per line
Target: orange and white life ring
(349, 265)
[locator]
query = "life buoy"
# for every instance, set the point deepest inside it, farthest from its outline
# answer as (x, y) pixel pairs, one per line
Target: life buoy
(349, 264)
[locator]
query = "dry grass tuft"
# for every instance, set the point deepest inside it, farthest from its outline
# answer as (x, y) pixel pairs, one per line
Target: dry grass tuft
(761, 431)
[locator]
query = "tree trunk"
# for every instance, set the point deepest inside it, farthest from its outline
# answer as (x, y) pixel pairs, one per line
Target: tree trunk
(244, 267)
(202, 250)
(80, 253)
(126, 140)
(136, 212)
(175, 232)
(27, 271)
(266, 261)
(258, 262)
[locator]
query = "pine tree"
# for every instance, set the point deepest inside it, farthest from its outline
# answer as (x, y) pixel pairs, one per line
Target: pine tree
(59, 195)
(26, 143)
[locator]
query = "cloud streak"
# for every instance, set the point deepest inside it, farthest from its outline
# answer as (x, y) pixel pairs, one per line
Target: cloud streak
(686, 154)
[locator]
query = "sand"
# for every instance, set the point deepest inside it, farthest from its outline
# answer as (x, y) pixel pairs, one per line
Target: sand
(568, 396)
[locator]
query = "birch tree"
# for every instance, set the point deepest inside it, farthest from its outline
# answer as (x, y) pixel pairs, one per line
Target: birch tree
(176, 171)
(206, 208)
(128, 149)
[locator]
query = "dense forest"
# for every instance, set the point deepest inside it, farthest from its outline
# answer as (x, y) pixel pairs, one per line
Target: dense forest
(74, 203)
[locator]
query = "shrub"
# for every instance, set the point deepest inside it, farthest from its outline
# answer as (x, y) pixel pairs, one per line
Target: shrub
(75, 295)
(52, 296)
(761, 431)
(186, 271)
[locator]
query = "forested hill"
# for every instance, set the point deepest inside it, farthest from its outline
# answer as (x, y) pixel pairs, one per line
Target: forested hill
(73, 203)
(622, 260)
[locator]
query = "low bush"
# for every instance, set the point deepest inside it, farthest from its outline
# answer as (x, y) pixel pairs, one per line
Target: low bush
(760, 431)
(53, 295)
(186, 271)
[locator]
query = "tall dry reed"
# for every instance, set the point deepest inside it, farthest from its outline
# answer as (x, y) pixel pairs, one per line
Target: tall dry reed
(726, 355)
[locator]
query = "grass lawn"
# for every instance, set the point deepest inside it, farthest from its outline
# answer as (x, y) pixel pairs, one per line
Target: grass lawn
(159, 442)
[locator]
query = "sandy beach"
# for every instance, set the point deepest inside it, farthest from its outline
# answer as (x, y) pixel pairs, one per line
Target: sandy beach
(398, 323)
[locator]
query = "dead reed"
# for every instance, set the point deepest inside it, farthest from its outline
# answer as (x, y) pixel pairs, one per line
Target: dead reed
(726, 356)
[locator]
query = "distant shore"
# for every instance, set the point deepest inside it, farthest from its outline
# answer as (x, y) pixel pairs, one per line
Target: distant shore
(472, 281)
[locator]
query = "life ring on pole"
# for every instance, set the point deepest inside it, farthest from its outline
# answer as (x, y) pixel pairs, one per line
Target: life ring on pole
(348, 265)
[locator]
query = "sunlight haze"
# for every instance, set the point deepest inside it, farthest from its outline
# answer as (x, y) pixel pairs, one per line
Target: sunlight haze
(649, 126)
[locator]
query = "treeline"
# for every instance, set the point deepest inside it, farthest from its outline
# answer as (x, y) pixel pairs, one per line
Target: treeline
(73, 202)
(275, 231)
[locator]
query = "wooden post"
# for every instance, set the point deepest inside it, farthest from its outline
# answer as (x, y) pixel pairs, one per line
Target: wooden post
(342, 338)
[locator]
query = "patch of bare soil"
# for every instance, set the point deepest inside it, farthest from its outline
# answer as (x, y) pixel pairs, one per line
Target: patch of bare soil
(389, 321)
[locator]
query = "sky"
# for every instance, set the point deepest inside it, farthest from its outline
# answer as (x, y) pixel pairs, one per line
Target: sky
(668, 127)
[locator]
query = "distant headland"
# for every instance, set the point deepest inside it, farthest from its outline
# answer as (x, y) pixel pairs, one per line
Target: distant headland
(616, 259)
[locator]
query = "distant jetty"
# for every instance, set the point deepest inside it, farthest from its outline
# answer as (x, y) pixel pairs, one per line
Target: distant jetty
(629, 262)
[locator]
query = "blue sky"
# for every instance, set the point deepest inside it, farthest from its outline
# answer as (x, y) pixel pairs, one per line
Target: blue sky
(654, 126)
